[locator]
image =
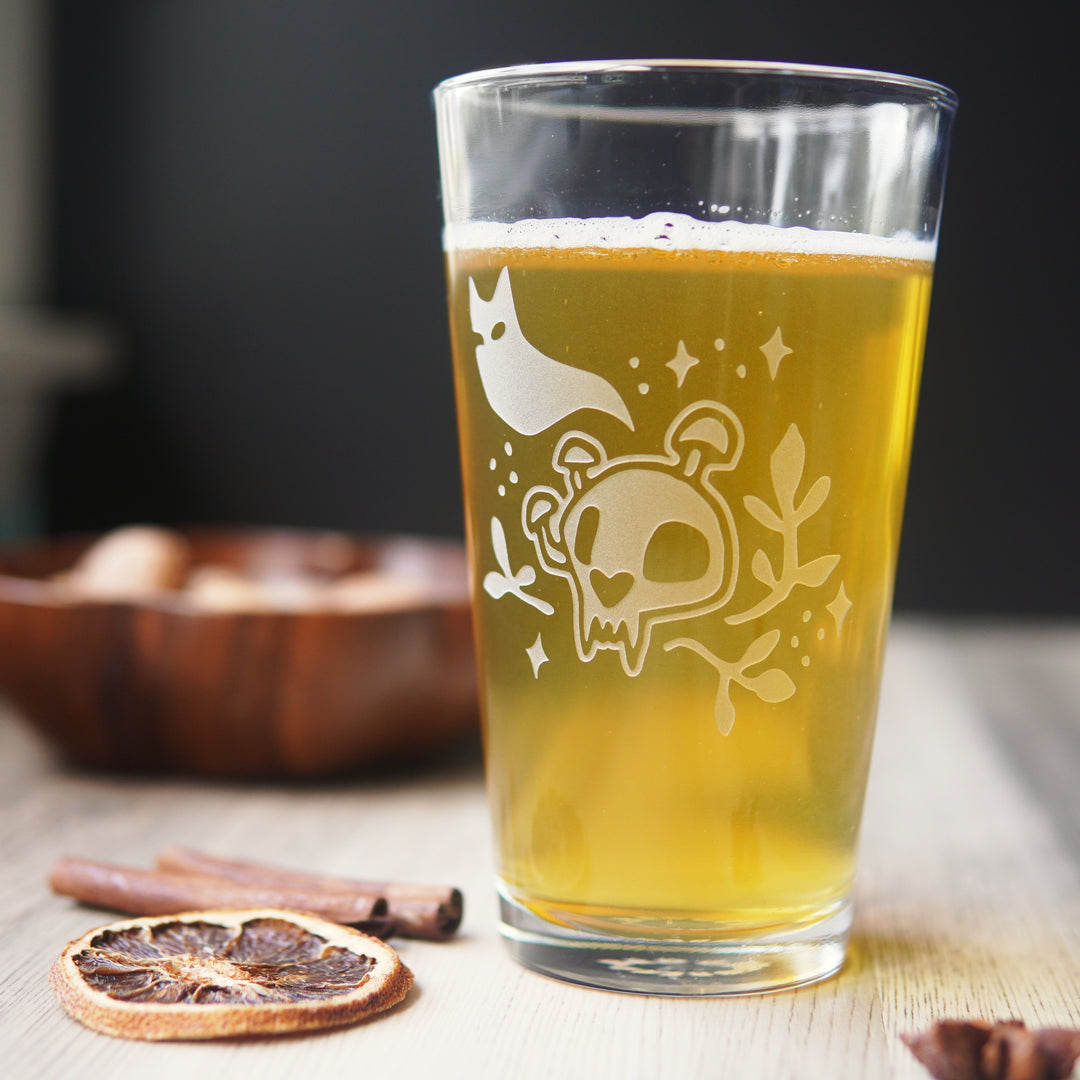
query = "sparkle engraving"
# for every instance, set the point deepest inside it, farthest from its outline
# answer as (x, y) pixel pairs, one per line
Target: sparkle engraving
(681, 363)
(839, 608)
(774, 350)
(537, 656)
(509, 582)
(608, 522)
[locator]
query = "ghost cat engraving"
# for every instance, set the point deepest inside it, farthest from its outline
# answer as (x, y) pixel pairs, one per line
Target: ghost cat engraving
(525, 388)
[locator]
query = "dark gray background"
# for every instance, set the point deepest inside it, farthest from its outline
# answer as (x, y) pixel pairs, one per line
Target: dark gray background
(248, 189)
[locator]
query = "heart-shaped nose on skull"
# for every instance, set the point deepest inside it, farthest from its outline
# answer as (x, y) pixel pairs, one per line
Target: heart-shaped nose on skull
(609, 589)
(643, 538)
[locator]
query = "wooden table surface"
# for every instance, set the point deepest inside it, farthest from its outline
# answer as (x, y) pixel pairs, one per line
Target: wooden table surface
(968, 900)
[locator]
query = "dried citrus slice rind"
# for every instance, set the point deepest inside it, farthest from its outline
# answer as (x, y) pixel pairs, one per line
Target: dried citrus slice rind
(212, 974)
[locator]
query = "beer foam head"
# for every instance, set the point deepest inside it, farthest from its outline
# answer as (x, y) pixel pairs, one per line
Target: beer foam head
(677, 232)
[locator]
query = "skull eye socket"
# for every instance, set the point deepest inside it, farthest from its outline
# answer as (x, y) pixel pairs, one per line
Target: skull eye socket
(585, 536)
(676, 552)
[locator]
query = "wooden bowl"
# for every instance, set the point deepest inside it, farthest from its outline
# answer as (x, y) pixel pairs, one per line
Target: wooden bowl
(159, 685)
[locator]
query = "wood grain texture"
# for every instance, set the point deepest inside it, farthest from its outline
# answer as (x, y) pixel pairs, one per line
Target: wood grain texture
(968, 899)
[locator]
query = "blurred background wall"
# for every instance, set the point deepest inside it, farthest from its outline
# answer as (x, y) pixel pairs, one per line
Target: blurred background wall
(247, 189)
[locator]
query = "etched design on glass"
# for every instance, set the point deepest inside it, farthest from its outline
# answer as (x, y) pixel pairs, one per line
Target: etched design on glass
(614, 528)
(786, 469)
(537, 656)
(681, 363)
(774, 350)
(511, 582)
(772, 685)
(680, 967)
(839, 608)
(527, 389)
(644, 539)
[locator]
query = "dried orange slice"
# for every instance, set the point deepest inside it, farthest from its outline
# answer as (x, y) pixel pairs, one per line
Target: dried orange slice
(210, 974)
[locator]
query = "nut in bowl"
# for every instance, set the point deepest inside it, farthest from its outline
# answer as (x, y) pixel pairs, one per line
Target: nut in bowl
(239, 654)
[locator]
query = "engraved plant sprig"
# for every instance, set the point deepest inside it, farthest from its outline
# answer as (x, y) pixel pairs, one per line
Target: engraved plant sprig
(771, 686)
(497, 585)
(786, 467)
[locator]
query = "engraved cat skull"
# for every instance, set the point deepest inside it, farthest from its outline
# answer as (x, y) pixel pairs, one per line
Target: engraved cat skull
(641, 539)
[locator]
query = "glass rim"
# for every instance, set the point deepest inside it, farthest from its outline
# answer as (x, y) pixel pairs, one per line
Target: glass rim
(539, 73)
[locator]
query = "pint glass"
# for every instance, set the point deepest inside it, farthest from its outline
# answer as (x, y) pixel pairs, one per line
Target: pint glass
(687, 305)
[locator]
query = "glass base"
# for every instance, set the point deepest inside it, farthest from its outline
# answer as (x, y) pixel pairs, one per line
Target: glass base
(683, 967)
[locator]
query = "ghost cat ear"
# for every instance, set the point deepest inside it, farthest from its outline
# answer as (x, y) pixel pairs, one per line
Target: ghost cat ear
(705, 436)
(486, 314)
(502, 293)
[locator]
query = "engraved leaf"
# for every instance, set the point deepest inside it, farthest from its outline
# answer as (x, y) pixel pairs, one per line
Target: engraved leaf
(814, 498)
(762, 568)
(786, 466)
(724, 710)
(772, 686)
(763, 512)
(498, 543)
(497, 585)
(759, 649)
(816, 572)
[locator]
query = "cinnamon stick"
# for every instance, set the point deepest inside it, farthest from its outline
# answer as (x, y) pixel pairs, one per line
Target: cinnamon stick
(162, 892)
(431, 912)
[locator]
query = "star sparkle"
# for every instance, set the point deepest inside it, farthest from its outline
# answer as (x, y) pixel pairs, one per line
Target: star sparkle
(537, 656)
(774, 350)
(681, 363)
(839, 608)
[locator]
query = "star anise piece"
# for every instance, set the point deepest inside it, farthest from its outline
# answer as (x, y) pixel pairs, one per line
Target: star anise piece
(1006, 1050)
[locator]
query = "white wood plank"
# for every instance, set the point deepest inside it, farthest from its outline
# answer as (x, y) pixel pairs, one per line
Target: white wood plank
(968, 904)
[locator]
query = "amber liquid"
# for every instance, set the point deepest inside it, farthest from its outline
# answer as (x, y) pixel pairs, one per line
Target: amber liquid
(619, 803)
